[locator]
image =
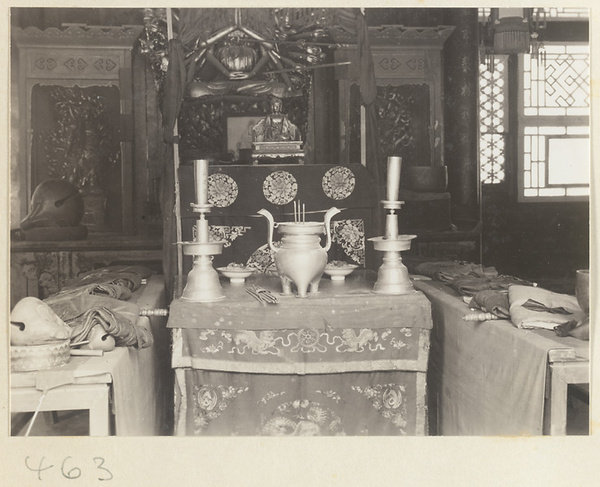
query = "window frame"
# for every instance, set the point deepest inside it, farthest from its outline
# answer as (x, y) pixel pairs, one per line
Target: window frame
(524, 121)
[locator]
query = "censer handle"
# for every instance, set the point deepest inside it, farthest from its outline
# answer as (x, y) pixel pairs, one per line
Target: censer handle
(271, 221)
(330, 213)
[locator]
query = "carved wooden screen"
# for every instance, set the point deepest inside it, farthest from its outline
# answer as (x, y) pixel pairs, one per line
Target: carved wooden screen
(403, 122)
(75, 136)
(75, 96)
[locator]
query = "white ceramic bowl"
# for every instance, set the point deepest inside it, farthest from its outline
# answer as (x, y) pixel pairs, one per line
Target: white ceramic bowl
(339, 272)
(236, 275)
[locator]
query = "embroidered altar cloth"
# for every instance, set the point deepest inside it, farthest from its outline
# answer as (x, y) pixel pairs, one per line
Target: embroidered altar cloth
(342, 361)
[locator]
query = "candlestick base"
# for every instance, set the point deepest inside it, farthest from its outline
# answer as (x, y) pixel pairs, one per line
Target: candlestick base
(203, 285)
(392, 276)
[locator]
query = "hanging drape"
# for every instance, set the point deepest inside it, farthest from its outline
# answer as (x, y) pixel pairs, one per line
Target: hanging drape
(368, 91)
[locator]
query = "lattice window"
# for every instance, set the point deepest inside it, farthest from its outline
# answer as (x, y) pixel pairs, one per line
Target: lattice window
(554, 124)
(561, 86)
(551, 13)
(493, 121)
(567, 13)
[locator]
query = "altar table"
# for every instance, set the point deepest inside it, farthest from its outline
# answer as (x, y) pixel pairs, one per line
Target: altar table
(491, 378)
(135, 382)
(343, 361)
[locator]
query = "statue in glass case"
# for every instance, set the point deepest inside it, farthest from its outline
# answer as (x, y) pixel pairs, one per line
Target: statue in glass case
(275, 138)
(275, 127)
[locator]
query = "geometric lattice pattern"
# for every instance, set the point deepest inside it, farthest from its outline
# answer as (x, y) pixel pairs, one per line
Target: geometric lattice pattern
(561, 85)
(567, 13)
(554, 124)
(550, 13)
(493, 121)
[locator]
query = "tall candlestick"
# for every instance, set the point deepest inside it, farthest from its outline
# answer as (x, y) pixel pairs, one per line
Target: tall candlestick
(201, 179)
(202, 230)
(391, 225)
(393, 177)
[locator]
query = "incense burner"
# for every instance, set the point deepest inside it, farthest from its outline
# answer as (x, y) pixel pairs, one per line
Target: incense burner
(300, 259)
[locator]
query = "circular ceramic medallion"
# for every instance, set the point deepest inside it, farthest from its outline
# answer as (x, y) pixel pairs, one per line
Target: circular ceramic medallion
(338, 183)
(280, 187)
(222, 190)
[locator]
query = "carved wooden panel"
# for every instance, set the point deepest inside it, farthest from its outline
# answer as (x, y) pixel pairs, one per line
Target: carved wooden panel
(75, 136)
(403, 122)
(54, 63)
(83, 67)
(399, 65)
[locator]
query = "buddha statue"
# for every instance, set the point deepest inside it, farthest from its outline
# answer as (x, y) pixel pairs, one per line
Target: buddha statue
(275, 127)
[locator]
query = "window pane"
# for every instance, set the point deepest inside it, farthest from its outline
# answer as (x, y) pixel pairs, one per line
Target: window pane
(578, 191)
(568, 160)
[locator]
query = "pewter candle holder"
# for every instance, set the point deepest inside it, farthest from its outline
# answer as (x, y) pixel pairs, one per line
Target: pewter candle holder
(392, 276)
(203, 285)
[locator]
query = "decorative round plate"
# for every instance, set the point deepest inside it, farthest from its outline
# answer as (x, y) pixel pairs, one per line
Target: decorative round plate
(222, 190)
(338, 183)
(280, 187)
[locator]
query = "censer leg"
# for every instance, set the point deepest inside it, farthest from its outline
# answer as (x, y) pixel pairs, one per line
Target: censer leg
(286, 284)
(314, 286)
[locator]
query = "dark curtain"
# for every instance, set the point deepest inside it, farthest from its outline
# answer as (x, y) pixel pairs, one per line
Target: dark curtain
(368, 89)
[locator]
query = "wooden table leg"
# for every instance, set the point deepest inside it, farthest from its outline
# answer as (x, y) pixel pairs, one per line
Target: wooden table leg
(561, 375)
(99, 413)
(93, 397)
(558, 404)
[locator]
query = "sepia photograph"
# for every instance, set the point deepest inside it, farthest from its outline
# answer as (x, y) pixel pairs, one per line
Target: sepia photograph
(369, 224)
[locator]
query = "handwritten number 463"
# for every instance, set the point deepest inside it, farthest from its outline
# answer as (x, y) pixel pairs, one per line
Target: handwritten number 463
(71, 473)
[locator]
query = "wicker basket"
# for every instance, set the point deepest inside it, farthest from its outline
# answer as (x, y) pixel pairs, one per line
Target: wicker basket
(37, 357)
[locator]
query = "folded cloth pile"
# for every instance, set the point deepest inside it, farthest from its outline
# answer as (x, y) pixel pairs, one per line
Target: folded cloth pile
(100, 297)
(117, 324)
(491, 301)
(128, 276)
(470, 285)
(533, 307)
(448, 271)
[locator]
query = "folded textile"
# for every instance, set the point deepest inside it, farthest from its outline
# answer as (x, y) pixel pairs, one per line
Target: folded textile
(126, 333)
(129, 276)
(534, 305)
(80, 310)
(111, 290)
(492, 301)
(523, 316)
(448, 271)
(469, 285)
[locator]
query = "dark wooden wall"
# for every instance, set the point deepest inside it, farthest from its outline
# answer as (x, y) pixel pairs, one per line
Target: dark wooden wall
(538, 241)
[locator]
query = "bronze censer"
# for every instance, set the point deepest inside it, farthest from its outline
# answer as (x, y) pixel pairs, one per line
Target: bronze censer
(300, 259)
